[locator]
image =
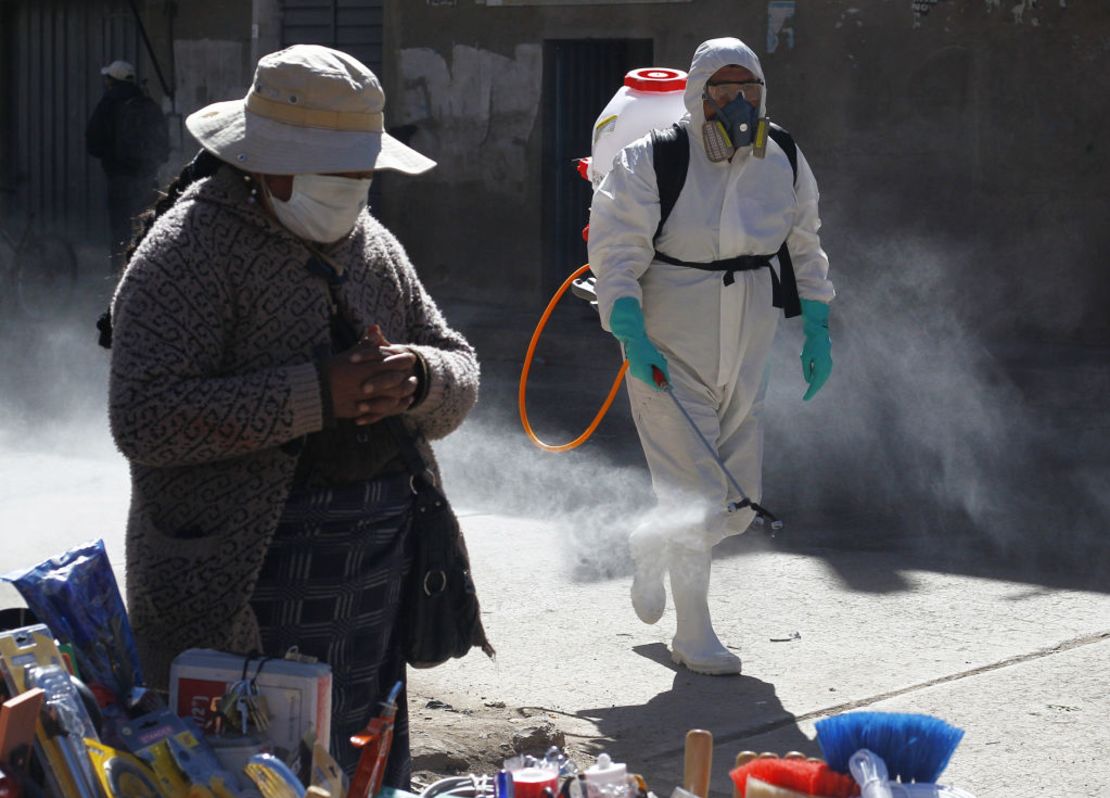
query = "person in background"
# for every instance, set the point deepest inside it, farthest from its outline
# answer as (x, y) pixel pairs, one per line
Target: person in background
(694, 304)
(266, 334)
(129, 134)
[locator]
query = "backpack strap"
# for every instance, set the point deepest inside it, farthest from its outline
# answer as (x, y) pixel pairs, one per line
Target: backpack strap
(792, 305)
(670, 154)
(786, 141)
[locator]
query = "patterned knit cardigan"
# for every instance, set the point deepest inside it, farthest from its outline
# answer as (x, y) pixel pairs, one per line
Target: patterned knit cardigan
(216, 321)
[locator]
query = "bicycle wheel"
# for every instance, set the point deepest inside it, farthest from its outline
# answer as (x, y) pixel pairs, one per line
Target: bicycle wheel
(45, 277)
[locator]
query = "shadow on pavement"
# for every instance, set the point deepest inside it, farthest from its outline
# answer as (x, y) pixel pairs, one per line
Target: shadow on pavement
(736, 709)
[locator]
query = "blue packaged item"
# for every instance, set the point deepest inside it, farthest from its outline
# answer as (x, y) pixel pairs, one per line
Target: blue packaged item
(77, 596)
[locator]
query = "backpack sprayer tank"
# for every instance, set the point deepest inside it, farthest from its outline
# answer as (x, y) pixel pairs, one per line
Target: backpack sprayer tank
(650, 98)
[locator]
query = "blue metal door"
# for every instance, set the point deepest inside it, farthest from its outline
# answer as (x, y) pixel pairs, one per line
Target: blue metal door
(353, 26)
(580, 77)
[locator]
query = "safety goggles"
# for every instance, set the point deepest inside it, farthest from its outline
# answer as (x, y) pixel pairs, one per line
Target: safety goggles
(724, 93)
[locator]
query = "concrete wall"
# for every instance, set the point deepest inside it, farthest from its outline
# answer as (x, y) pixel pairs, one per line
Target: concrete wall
(470, 78)
(212, 50)
(970, 139)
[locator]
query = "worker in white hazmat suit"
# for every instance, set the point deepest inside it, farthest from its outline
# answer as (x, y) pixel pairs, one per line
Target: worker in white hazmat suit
(685, 302)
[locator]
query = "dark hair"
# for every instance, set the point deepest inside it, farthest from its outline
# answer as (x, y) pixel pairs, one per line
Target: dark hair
(204, 164)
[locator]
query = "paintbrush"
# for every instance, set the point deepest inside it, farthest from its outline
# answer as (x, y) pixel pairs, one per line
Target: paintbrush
(771, 777)
(913, 747)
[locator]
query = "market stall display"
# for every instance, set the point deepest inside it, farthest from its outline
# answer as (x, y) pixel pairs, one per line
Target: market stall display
(237, 726)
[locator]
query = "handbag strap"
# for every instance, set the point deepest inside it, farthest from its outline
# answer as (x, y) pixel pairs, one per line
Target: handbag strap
(414, 461)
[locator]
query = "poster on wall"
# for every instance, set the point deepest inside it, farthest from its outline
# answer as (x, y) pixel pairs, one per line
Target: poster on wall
(780, 24)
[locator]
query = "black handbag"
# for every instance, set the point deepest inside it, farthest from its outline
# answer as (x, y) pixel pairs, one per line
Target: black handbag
(440, 614)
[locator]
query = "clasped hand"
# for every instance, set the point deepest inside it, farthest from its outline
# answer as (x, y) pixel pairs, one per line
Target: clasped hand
(372, 380)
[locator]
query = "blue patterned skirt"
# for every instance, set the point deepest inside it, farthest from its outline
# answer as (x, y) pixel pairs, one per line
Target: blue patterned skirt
(331, 585)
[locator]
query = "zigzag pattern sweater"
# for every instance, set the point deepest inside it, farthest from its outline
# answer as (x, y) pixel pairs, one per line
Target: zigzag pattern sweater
(215, 323)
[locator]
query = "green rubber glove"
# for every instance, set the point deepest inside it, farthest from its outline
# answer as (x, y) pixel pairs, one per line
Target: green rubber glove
(627, 324)
(817, 351)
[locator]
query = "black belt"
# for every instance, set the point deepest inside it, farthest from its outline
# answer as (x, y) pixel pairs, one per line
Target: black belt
(784, 292)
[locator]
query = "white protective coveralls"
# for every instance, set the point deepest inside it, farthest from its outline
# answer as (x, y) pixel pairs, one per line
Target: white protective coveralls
(716, 337)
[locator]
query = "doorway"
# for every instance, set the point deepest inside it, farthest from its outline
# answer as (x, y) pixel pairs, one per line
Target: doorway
(580, 77)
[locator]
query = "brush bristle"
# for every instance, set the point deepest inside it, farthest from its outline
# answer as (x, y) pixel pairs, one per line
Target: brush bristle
(914, 747)
(798, 775)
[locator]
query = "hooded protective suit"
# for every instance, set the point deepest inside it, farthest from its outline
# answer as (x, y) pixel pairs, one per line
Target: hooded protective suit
(716, 337)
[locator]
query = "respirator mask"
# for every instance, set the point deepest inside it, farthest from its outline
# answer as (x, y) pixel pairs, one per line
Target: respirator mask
(737, 118)
(322, 208)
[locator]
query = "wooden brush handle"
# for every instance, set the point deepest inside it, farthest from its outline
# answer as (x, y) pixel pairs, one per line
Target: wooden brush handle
(761, 789)
(699, 761)
(742, 758)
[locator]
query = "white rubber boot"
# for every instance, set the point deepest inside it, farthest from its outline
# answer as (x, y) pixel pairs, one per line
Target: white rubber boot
(695, 644)
(649, 556)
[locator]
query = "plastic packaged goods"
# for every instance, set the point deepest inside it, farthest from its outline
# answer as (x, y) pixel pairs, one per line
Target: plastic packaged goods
(607, 778)
(30, 659)
(76, 595)
(298, 694)
(530, 782)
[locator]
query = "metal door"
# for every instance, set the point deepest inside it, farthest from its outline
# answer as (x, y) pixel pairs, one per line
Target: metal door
(580, 77)
(353, 26)
(50, 80)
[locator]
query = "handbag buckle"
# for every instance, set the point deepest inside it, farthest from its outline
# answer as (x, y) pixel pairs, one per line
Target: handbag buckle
(430, 575)
(428, 475)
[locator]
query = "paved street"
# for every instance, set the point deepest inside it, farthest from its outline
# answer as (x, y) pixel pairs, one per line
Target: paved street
(992, 613)
(1004, 632)
(1020, 666)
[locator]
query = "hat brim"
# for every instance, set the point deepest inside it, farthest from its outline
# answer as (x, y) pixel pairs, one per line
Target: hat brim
(256, 144)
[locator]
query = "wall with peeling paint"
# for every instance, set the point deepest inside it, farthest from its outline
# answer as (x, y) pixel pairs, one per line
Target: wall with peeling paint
(980, 126)
(475, 109)
(464, 83)
(212, 62)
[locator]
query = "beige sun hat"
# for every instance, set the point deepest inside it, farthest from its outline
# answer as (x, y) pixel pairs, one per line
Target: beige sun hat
(310, 110)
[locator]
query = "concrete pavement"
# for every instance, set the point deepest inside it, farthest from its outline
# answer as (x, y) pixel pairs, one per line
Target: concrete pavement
(1020, 666)
(1003, 629)
(957, 570)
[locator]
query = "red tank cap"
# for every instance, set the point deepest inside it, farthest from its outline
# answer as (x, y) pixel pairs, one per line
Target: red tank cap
(656, 79)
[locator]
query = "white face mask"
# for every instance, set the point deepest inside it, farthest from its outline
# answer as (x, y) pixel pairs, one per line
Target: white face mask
(322, 208)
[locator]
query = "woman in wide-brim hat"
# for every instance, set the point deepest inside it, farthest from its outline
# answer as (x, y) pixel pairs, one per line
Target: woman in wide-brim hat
(264, 324)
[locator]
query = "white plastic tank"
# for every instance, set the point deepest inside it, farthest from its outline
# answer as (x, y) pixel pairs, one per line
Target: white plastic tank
(650, 98)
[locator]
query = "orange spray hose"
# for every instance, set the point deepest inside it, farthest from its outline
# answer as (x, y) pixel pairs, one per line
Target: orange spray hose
(585, 436)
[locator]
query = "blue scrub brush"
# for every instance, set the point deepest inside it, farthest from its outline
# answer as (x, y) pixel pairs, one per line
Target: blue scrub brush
(914, 747)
